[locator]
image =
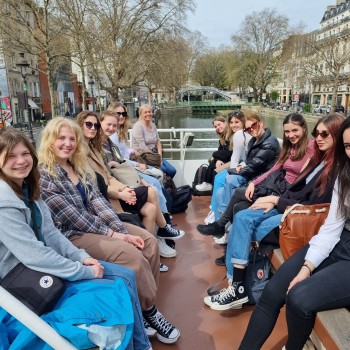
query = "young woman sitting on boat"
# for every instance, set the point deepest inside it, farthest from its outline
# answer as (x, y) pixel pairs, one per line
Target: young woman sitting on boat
(296, 152)
(316, 278)
(88, 220)
(55, 254)
(236, 120)
(145, 138)
(221, 157)
(263, 150)
(120, 138)
(314, 186)
(138, 200)
(117, 164)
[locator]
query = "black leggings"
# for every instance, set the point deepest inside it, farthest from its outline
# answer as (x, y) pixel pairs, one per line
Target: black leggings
(327, 288)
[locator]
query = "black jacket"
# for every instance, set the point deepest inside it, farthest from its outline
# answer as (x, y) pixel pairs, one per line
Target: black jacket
(223, 153)
(261, 156)
(306, 194)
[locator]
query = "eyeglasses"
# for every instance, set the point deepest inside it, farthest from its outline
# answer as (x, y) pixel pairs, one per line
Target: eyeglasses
(91, 125)
(254, 126)
(124, 114)
(324, 134)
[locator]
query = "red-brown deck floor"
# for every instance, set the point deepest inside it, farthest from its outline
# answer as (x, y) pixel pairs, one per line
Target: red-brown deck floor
(182, 288)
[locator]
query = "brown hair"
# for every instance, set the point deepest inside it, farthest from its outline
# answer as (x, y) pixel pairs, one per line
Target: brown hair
(9, 139)
(96, 142)
(297, 119)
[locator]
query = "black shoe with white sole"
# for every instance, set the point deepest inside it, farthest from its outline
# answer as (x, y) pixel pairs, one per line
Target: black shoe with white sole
(166, 332)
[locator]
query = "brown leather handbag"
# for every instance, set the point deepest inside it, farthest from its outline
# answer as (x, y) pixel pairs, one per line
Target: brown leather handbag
(299, 224)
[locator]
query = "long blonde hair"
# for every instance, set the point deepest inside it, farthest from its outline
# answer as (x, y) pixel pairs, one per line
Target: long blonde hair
(122, 130)
(46, 155)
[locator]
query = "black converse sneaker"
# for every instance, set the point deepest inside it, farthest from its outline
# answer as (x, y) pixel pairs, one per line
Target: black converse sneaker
(232, 297)
(166, 332)
(170, 233)
(151, 332)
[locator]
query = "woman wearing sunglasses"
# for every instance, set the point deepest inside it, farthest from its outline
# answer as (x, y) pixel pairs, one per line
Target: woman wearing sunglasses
(88, 220)
(316, 278)
(263, 150)
(138, 200)
(296, 152)
(313, 186)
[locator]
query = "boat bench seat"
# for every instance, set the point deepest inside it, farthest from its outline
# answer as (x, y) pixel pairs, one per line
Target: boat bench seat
(331, 330)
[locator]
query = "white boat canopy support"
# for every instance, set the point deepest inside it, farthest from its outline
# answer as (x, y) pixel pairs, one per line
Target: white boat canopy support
(33, 321)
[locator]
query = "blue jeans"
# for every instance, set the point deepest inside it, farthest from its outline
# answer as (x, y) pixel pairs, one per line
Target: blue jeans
(168, 168)
(140, 339)
(219, 181)
(155, 183)
(224, 194)
(243, 231)
(327, 288)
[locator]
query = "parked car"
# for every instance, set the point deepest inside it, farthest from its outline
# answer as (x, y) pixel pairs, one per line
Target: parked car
(321, 109)
(339, 109)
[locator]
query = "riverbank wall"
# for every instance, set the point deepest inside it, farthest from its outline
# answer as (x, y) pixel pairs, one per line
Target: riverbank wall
(269, 112)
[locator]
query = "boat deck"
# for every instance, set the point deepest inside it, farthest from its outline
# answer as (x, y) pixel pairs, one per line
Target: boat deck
(182, 288)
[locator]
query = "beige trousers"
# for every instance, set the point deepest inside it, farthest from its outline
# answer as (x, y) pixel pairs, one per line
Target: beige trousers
(145, 263)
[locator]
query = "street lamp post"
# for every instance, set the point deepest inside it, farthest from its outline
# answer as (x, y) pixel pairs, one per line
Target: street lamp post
(23, 64)
(91, 82)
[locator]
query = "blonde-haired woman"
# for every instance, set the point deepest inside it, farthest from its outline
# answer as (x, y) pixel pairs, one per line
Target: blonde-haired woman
(88, 220)
(145, 138)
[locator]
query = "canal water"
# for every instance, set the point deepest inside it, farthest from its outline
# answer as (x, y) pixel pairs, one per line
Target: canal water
(191, 122)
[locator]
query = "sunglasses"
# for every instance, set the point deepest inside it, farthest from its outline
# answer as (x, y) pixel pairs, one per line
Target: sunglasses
(91, 125)
(254, 126)
(124, 114)
(323, 134)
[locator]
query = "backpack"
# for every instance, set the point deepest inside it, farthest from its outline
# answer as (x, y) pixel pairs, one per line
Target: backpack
(257, 275)
(200, 178)
(181, 197)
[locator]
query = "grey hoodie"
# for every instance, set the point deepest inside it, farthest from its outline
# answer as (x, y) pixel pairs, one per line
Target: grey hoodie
(18, 242)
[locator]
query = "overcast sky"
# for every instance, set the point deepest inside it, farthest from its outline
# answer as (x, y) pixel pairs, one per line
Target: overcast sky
(217, 20)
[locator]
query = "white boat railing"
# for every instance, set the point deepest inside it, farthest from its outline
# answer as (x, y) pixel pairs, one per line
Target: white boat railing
(32, 321)
(177, 142)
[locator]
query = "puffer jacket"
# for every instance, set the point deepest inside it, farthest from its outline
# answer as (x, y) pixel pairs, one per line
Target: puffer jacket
(261, 156)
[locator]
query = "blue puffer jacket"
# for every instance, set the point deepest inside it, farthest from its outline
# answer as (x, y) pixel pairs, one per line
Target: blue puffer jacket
(102, 302)
(261, 156)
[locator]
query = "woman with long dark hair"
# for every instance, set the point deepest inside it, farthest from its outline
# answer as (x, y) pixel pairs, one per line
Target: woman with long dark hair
(316, 278)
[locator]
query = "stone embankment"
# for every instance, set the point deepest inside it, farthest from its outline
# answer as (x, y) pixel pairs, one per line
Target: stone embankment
(269, 112)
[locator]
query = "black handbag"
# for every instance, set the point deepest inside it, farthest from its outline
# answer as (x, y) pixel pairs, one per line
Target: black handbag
(39, 291)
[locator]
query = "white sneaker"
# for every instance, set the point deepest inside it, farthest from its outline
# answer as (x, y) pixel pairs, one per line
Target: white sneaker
(210, 218)
(151, 332)
(164, 250)
(163, 268)
(204, 186)
(221, 240)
